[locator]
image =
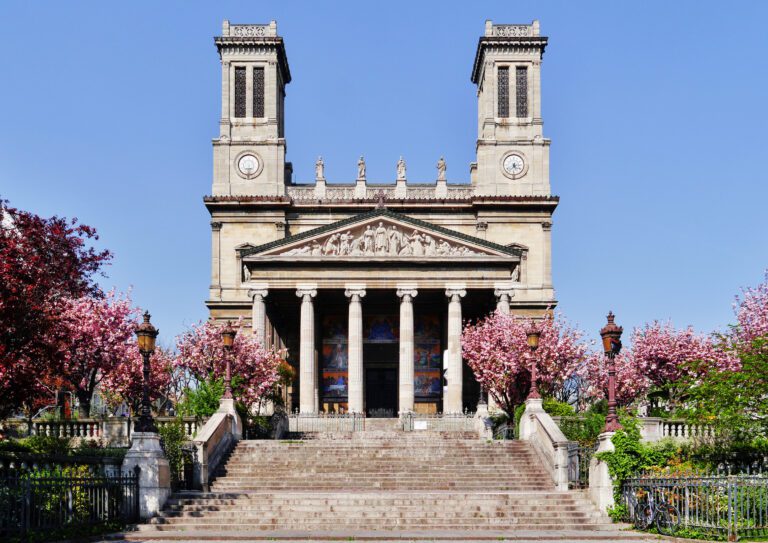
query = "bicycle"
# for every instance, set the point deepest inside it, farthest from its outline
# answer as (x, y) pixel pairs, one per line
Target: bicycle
(661, 513)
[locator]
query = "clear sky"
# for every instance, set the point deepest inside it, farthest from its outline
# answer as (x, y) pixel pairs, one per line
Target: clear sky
(657, 113)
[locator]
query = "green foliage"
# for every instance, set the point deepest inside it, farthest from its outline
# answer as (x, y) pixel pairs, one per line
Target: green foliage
(738, 417)
(202, 401)
(584, 428)
(631, 456)
(556, 408)
(48, 445)
(600, 407)
(172, 439)
(618, 512)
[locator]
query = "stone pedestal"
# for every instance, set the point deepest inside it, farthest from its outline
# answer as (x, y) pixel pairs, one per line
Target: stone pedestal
(116, 433)
(600, 482)
(155, 475)
(532, 405)
(227, 406)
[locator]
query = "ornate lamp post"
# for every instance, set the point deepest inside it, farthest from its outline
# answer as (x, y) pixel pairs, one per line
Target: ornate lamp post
(533, 344)
(228, 339)
(611, 334)
(146, 335)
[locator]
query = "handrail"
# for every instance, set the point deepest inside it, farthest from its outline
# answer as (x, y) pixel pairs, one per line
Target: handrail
(212, 443)
(548, 441)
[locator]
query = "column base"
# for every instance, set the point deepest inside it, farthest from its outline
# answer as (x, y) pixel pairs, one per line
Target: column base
(155, 474)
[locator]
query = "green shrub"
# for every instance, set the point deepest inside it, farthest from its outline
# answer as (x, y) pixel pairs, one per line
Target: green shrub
(172, 439)
(585, 428)
(557, 409)
(48, 445)
(202, 401)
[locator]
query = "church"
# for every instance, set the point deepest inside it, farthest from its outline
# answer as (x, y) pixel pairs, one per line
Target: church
(367, 284)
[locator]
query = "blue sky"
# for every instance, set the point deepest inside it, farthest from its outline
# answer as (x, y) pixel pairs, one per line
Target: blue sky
(656, 110)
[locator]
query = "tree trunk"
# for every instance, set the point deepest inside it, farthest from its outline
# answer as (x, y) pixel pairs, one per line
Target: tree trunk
(84, 398)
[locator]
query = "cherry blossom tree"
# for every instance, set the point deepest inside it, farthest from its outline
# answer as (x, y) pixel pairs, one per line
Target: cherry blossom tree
(41, 261)
(667, 357)
(751, 315)
(631, 383)
(254, 368)
(125, 382)
(497, 351)
(94, 336)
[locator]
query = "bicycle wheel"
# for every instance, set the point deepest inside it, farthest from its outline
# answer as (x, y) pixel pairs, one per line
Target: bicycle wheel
(642, 517)
(667, 519)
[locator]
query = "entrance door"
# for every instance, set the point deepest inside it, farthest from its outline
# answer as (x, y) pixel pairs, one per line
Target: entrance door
(381, 392)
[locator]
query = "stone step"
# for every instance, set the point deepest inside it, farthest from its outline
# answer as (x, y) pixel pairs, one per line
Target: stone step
(379, 525)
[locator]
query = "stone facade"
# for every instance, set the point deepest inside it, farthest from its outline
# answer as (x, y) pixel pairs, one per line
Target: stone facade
(295, 259)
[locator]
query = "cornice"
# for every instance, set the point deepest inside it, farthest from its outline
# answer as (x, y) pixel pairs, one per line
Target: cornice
(256, 43)
(527, 43)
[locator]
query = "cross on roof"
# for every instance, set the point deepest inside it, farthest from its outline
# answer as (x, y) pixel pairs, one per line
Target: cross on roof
(381, 197)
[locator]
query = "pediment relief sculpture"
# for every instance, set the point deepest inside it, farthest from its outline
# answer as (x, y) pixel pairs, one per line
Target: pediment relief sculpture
(381, 238)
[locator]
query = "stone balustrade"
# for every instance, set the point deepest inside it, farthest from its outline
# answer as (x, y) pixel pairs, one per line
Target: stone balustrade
(112, 432)
(549, 442)
(322, 191)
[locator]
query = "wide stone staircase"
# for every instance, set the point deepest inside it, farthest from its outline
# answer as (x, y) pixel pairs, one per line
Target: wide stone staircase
(424, 485)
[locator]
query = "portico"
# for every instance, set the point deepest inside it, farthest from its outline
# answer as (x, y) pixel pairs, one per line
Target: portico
(379, 333)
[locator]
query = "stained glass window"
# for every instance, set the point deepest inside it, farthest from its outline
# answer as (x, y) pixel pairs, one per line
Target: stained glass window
(503, 87)
(521, 87)
(240, 92)
(258, 92)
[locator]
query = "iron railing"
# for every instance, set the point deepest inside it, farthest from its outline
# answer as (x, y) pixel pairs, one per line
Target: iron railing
(58, 504)
(505, 431)
(579, 457)
(729, 506)
(325, 422)
(440, 422)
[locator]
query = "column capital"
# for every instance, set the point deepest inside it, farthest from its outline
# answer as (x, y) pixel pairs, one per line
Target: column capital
(258, 290)
(354, 292)
(306, 292)
(455, 293)
(499, 292)
(407, 293)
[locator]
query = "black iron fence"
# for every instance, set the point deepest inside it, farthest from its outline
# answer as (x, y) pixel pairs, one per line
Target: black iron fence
(65, 502)
(579, 457)
(729, 506)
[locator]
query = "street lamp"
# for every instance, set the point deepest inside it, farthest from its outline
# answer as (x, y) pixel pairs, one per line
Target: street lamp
(146, 335)
(228, 339)
(611, 334)
(533, 343)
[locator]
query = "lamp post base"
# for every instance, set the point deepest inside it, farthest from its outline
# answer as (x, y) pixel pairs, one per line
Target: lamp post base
(155, 474)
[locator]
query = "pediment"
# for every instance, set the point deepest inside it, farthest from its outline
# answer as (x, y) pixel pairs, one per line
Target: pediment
(381, 235)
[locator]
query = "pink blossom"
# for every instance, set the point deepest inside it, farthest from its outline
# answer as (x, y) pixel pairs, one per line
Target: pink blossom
(200, 351)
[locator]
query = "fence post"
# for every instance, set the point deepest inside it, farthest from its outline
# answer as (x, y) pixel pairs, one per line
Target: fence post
(26, 508)
(136, 490)
(731, 518)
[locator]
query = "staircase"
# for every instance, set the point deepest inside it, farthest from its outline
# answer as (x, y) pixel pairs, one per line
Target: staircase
(419, 484)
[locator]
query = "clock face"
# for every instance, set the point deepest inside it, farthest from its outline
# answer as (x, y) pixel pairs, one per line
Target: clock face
(514, 164)
(248, 165)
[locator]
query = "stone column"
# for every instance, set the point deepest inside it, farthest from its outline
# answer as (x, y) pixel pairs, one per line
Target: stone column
(355, 350)
(546, 230)
(406, 375)
(502, 296)
(307, 369)
(452, 402)
(259, 314)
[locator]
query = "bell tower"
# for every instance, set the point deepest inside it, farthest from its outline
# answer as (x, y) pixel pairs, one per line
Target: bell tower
(249, 154)
(512, 153)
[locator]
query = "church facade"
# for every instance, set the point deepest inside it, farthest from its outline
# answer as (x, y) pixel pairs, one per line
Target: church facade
(367, 284)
